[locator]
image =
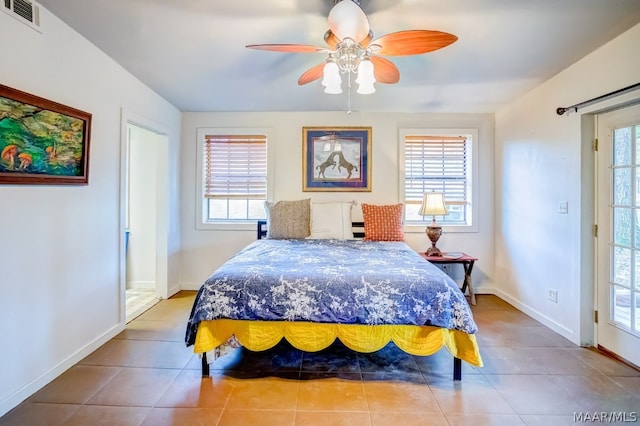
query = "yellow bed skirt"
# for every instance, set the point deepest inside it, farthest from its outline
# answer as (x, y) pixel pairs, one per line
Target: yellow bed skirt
(312, 337)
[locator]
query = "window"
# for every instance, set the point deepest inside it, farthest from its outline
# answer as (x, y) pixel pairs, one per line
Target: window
(233, 177)
(440, 161)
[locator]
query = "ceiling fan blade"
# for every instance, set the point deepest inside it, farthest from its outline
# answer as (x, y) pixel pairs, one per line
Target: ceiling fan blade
(411, 42)
(295, 48)
(331, 39)
(311, 74)
(384, 70)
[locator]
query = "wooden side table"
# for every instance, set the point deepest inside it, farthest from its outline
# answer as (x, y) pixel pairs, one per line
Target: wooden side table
(467, 263)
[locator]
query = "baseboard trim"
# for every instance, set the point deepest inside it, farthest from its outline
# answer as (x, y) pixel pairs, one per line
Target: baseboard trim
(193, 286)
(47, 377)
(543, 319)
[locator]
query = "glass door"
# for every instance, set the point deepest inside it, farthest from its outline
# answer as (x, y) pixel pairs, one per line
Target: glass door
(618, 246)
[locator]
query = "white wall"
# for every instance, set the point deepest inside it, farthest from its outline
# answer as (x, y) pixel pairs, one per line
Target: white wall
(205, 250)
(542, 159)
(60, 256)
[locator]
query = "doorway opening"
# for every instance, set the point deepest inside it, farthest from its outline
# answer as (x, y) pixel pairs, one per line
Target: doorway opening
(145, 230)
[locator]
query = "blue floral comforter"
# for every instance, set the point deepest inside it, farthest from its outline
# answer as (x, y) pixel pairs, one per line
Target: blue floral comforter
(331, 281)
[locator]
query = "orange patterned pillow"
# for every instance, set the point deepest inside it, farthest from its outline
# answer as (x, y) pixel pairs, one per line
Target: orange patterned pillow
(383, 223)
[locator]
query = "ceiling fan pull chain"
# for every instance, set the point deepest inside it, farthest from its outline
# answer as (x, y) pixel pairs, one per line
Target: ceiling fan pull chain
(349, 94)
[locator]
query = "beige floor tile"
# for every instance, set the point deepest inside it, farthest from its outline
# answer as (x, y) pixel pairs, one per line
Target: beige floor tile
(39, 414)
(190, 389)
(484, 420)
(549, 420)
(325, 418)
(182, 417)
(389, 395)
(474, 394)
(116, 352)
(266, 393)
(76, 385)
(598, 393)
(154, 354)
(533, 360)
(332, 394)
(257, 417)
(603, 363)
(135, 387)
(97, 415)
(391, 418)
(165, 330)
(534, 394)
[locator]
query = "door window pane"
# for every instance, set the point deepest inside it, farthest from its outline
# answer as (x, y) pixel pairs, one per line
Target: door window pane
(622, 186)
(621, 311)
(622, 227)
(622, 147)
(622, 266)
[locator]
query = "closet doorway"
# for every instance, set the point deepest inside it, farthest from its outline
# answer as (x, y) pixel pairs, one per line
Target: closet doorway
(145, 222)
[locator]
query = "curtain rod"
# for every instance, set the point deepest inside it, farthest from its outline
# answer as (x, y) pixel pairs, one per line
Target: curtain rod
(562, 110)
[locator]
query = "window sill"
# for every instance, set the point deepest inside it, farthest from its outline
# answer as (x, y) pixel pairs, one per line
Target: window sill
(228, 226)
(451, 229)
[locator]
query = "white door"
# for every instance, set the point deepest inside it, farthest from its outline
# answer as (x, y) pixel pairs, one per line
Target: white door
(618, 242)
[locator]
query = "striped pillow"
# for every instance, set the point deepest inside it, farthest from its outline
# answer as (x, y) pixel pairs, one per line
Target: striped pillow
(383, 223)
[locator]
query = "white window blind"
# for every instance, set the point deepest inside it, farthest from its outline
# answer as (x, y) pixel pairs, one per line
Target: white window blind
(441, 164)
(235, 166)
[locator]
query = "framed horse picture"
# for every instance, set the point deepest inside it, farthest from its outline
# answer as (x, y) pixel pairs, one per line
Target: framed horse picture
(336, 159)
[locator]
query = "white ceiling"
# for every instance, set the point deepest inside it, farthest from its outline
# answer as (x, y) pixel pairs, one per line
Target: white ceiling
(192, 52)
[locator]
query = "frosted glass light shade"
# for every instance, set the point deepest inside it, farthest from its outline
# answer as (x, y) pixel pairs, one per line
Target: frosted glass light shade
(347, 20)
(331, 80)
(366, 78)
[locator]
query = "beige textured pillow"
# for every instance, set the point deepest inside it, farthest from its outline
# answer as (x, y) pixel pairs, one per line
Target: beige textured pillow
(288, 219)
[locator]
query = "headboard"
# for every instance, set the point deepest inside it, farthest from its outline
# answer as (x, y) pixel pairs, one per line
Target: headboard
(358, 229)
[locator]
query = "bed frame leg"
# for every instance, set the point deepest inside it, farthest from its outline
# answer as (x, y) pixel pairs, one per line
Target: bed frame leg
(457, 369)
(205, 365)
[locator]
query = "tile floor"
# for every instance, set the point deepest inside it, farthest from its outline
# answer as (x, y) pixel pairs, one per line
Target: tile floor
(138, 301)
(145, 376)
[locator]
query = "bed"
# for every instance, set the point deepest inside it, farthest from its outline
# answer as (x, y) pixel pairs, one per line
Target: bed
(314, 291)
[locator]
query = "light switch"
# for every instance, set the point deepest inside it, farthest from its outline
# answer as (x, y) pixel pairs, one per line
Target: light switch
(563, 207)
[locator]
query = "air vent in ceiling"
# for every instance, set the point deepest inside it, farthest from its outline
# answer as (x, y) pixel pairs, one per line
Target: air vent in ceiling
(25, 11)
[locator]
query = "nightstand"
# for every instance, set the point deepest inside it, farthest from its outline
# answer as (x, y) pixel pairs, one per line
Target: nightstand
(467, 263)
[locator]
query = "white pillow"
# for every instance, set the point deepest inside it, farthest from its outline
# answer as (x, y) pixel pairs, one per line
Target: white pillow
(331, 220)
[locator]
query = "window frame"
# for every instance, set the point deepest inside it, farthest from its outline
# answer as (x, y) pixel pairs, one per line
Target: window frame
(413, 227)
(202, 221)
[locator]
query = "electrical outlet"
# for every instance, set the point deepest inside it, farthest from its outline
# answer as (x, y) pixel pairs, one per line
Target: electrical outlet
(553, 295)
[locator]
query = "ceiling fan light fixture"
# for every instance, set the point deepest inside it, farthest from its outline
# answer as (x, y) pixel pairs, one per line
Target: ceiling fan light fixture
(332, 82)
(352, 51)
(347, 20)
(366, 77)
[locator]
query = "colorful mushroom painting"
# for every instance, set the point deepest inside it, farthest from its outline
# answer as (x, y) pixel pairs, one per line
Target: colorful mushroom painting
(41, 142)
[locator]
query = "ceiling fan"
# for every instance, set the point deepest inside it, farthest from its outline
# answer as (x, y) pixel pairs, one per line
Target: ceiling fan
(352, 50)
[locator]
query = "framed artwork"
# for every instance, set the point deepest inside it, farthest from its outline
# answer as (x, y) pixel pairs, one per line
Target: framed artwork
(41, 141)
(336, 159)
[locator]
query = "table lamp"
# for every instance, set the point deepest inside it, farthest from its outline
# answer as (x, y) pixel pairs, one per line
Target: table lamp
(433, 205)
